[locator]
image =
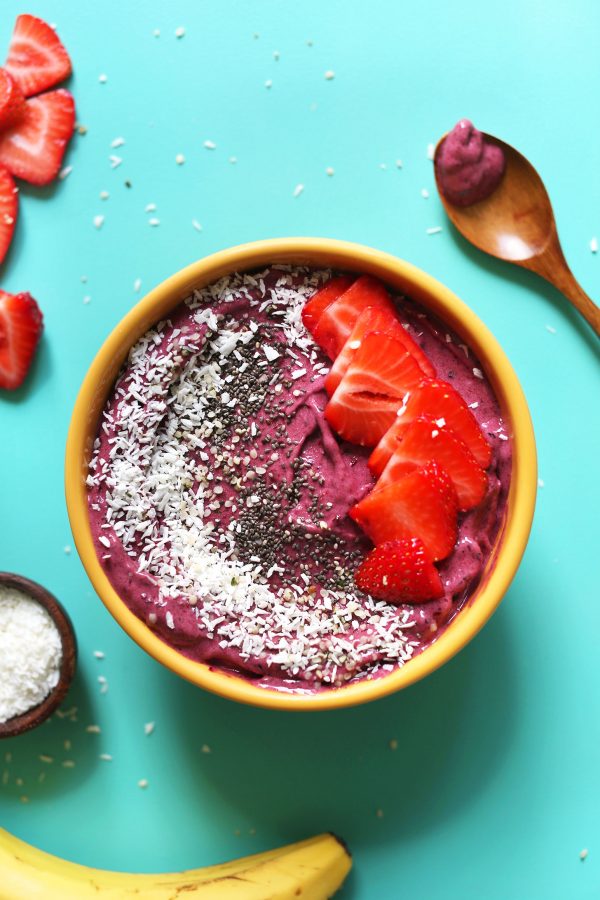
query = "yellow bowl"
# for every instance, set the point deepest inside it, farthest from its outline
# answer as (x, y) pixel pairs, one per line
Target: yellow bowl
(407, 279)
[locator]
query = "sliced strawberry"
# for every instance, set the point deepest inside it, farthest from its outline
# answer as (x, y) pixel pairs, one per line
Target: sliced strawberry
(422, 504)
(339, 318)
(439, 401)
(318, 303)
(33, 148)
(9, 202)
(36, 59)
(369, 395)
(12, 100)
(21, 326)
(423, 441)
(399, 572)
(372, 318)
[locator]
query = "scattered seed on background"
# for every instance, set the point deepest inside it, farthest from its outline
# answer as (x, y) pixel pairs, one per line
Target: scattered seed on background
(83, 279)
(64, 172)
(276, 55)
(298, 190)
(196, 224)
(329, 171)
(103, 78)
(551, 329)
(425, 193)
(430, 151)
(149, 728)
(66, 549)
(99, 654)
(143, 783)
(268, 84)
(210, 145)
(233, 160)
(156, 32)
(398, 163)
(206, 749)
(393, 744)
(541, 483)
(98, 221)
(179, 32)
(104, 195)
(180, 159)
(379, 814)
(87, 299)
(594, 245)
(68, 763)
(383, 166)
(153, 222)
(329, 75)
(435, 230)
(106, 757)
(150, 207)
(584, 853)
(137, 284)
(115, 161)
(117, 142)
(82, 129)
(93, 729)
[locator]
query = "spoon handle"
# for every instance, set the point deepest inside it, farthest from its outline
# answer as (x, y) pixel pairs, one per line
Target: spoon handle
(553, 266)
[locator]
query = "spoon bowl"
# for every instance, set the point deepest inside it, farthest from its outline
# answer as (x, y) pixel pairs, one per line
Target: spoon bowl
(516, 223)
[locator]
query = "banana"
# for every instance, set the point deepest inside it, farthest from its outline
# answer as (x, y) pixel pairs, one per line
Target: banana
(311, 870)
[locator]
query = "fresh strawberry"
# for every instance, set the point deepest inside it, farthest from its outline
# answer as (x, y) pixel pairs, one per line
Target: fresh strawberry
(9, 202)
(33, 148)
(403, 337)
(12, 100)
(372, 318)
(339, 318)
(422, 504)
(400, 572)
(439, 401)
(21, 326)
(423, 441)
(369, 395)
(318, 303)
(36, 57)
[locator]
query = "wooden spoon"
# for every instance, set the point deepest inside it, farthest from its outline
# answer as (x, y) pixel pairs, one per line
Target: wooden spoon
(37, 714)
(516, 223)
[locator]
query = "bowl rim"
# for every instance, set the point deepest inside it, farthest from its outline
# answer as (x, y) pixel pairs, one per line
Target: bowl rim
(420, 286)
(34, 716)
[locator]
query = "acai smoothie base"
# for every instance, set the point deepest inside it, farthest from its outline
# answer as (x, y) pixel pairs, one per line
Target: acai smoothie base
(218, 494)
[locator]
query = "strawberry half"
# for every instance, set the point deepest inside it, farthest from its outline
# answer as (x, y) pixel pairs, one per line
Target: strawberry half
(422, 504)
(318, 303)
(33, 148)
(369, 395)
(339, 318)
(12, 100)
(37, 59)
(424, 441)
(439, 401)
(371, 319)
(400, 572)
(21, 325)
(9, 204)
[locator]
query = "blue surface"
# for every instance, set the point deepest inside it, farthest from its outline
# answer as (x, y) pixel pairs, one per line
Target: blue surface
(494, 788)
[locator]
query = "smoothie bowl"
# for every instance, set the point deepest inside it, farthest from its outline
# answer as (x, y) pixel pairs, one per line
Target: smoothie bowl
(301, 473)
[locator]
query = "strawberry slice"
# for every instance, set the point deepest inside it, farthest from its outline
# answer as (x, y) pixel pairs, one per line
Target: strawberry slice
(339, 318)
(33, 148)
(439, 401)
(9, 202)
(422, 504)
(21, 326)
(11, 99)
(369, 395)
(399, 572)
(374, 319)
(371, 319)
(318, 303)
(36, 59)
(423, 441)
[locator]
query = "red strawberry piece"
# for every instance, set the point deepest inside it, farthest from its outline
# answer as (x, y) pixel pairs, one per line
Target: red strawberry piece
(398, 331)
(318, 303)
(423, 441)
(33, 148)
(12, 100)
(422, 504)
(339, 318)
(400, 572)
(21, 326)
(439, 401)
(36, 59)
(371, 319)
(9, 202)
(369, 395)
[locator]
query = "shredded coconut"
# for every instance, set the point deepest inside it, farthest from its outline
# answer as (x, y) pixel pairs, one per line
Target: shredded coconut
(30, 653)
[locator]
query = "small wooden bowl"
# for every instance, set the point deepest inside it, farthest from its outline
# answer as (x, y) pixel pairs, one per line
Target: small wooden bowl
(38, 714)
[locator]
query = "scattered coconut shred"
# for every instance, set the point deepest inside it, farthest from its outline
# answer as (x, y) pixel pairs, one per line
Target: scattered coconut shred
(165, 460)
(30, 653)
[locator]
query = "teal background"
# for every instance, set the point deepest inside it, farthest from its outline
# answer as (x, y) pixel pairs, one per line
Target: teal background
(494, 787)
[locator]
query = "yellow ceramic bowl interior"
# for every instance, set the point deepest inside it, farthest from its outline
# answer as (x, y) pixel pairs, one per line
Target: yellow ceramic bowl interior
(317, 253)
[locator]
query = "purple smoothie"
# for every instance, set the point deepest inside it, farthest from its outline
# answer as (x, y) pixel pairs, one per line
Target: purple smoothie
(469, 168)
(218, 495)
